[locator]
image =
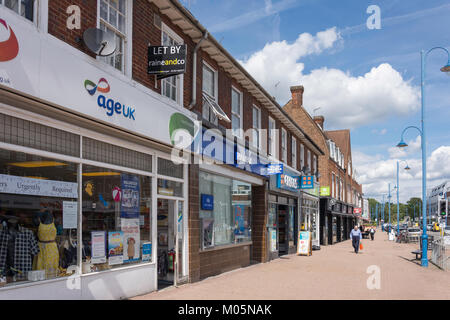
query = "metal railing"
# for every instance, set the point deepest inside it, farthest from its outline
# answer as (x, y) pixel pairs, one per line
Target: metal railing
(440, 255)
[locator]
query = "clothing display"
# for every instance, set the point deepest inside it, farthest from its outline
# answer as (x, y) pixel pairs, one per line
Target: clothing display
(48, 257)
(17, 250)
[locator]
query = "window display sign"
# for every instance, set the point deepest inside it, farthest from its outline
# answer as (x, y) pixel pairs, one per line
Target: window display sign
(208, 233)
(273, 240)
(70, 214)
(37, 187)
(146, 251)
(98, 240)
(131, 239)
(166, 59)
(129, 206)
(115, 247)
(304, 247)
(239, 225)
(207, 202)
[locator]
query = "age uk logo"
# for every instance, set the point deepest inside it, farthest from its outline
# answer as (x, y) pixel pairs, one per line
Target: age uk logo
(9, 49)
(112, 107)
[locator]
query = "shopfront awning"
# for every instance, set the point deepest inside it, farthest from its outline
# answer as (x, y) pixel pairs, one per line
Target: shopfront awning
(343, 214)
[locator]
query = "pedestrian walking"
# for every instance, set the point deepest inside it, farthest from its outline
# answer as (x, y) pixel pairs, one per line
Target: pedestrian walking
(372, 233)
(356, 236)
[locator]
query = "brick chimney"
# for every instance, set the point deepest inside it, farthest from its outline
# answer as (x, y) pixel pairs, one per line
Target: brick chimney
(297, 95)
(319, 120)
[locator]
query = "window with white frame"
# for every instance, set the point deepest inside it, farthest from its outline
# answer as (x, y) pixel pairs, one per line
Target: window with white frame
(171, 87)
(308, 159)
(209, 87)
(113, 16)
(302, 156)
(272, 137)
(332, 185)
(24, 8)
(256, 127)
(314, 164)
(283, 145)
(294, 153)
(236, 112)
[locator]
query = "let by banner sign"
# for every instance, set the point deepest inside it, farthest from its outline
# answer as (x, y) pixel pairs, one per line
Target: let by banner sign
(167, 59)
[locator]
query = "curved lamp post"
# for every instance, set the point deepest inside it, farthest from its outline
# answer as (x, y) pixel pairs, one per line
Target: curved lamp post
(402, 143)
(398, 188)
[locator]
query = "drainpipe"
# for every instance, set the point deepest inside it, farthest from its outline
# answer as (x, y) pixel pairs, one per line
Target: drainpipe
(194, 72)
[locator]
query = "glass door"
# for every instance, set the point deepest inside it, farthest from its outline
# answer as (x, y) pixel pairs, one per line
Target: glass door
(181, 272)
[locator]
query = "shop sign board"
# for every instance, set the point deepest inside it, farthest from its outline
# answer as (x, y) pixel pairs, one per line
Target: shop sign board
(288, 182)
(167, 59)
(304, 244)
(272, 169)
(307, 182)
(325, 191)
(357, 210)
(37, 187)
(207, 202)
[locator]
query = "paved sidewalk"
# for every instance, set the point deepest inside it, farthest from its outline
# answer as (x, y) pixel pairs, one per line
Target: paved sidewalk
(334, 272)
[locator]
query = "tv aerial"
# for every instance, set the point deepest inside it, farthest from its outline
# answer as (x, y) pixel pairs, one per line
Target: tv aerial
(100, 42)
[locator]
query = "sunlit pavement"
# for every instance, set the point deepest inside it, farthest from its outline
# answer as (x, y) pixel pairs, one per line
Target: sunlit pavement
(334, 272)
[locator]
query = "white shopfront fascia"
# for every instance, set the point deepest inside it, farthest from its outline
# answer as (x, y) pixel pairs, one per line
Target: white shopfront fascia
(53, 71)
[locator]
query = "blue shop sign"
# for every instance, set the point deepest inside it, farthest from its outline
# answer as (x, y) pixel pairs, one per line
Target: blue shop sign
(207, 202)
(307, 182)
(288, 182)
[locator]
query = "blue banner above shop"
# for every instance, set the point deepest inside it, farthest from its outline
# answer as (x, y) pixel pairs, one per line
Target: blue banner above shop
(288, 182)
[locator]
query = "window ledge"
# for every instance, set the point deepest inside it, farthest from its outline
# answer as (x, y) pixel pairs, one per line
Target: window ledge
(227, 246)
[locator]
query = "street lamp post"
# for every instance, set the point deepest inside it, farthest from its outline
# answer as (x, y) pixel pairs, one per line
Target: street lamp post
(398, 188)
(446, 69)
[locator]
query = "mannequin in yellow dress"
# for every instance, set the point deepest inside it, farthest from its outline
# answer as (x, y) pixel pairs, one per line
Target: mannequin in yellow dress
(48, 256)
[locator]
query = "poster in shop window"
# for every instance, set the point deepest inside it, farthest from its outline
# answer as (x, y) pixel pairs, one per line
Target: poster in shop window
(129, 205)
(239, 224)
(131, 239)
(115, 247)
(304, 245)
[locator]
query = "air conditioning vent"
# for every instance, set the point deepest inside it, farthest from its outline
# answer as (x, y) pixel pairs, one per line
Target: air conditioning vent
(157, 21)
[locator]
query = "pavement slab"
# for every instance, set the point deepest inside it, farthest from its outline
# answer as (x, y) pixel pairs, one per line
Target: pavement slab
(334, 272)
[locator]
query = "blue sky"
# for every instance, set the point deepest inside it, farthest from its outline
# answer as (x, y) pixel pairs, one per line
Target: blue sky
(407, 26)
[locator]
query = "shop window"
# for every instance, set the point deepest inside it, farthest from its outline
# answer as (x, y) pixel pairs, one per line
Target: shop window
(104, 152)
(170, 188)
(113, 21)
(38, 218)
(227, 219)
(116, 219)
(170, 169)
(37, 136)
(24, 8)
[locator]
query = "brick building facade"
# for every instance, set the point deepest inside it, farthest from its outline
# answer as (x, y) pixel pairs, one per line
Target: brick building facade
(60, 93)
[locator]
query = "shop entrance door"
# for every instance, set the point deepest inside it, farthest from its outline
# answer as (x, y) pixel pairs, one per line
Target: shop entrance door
(283, 244)
(171, 242)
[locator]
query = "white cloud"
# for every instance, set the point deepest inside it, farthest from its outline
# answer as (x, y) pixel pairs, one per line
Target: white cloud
(381, 132)
(376, 173)
(345, 100)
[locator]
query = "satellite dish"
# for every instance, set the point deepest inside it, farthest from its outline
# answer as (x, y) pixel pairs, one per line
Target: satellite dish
(100, 42)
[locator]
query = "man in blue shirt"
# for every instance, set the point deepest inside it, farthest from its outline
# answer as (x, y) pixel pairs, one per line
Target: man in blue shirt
(356, 236)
